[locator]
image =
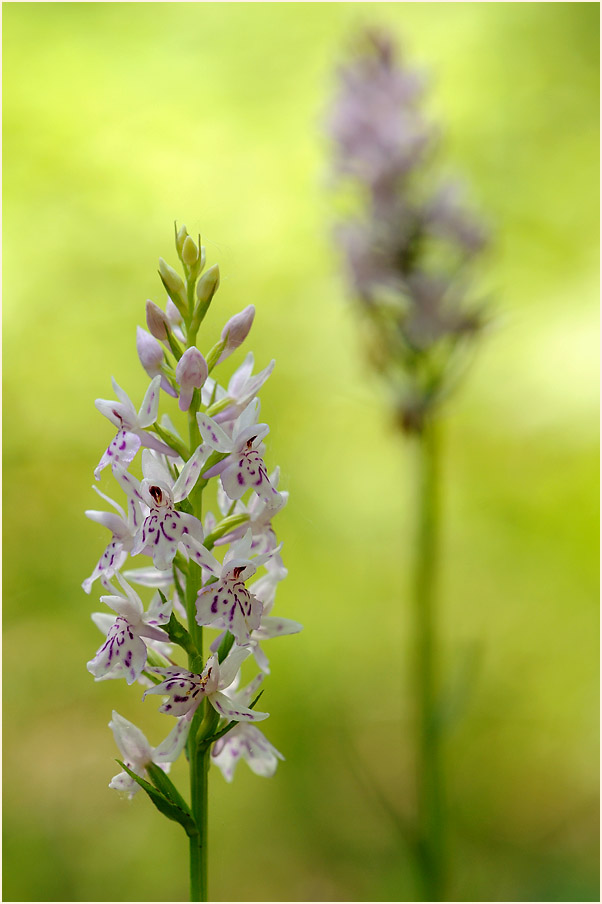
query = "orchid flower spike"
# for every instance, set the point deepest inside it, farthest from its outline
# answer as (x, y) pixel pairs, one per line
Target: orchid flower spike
(164, 471)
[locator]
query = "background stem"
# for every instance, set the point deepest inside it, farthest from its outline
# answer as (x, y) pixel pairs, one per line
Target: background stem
(431, 817)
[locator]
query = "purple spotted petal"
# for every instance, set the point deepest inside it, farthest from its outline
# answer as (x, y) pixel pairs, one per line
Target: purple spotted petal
(159, 537)
(150, 404)
(184, 690)
(189, 474)
(120, 451)
(213, 434)
(276, 627)
(233, 711)
(111, 560)
(123, 655)
(170, 749)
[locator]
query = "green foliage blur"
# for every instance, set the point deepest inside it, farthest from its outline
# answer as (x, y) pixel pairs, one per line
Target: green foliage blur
(120, 118)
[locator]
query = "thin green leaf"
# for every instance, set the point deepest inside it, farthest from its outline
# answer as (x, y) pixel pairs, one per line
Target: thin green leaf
(224, 527)
(178, 634)
(163, 804)
(163, 783)
(172, 440)
(225, 646)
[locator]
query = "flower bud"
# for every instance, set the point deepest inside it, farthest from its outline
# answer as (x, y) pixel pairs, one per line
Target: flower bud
(181, 236)
(173, 282)
(190, 252)
(151, 358)
(173, 315)
(236, 330)
(156, 320)
(208, 285)
(149, 352)
(191, 373)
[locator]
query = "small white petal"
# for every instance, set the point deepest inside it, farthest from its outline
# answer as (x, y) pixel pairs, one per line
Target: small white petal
(213, 434)
(190, 473)
(150, 404)
(130, 740)
(233, 711)
(228, 669)
(170, 749)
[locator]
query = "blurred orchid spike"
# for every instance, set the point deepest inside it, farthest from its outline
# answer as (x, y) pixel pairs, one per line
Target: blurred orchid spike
(408, 250)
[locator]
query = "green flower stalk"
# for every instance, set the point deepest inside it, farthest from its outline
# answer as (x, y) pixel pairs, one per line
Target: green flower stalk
(198, 565)
(409, 249)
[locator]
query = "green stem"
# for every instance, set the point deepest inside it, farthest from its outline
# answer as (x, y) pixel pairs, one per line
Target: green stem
(431, 829)
(199, 788)
(196, 868)
(193, 585)
(198, 757)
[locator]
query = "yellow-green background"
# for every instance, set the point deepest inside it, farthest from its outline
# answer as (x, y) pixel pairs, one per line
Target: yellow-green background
(120, 118)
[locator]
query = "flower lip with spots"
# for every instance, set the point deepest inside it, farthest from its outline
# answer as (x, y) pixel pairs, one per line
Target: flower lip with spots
(131, 426)
(270, 626)
(165, 529)
(123, 529)
(186, 689)
(260, 518)
(243, 468)
(227, 602)
(124, 652)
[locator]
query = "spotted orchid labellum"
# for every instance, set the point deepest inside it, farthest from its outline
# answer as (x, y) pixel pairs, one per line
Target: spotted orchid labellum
(191, 566)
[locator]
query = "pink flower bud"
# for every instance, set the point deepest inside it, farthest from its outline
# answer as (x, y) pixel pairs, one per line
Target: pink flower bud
(173, 315)
(236, 330)
(191, 373)
(151, 357)
(149, 352)
(156, 321)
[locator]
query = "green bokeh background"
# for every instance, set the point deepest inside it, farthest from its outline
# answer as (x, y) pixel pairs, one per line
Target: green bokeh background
(120, 118)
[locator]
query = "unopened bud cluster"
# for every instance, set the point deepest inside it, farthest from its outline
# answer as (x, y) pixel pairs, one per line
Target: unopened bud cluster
(409, 247)
(170, 569)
